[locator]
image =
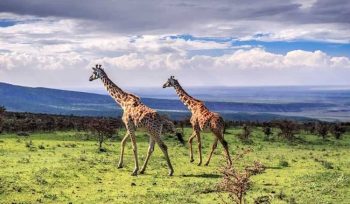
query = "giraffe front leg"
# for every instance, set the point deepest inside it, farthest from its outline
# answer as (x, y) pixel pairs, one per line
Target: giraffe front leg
(134, 149)
(122, 147)
(149, 153)
(190, 143)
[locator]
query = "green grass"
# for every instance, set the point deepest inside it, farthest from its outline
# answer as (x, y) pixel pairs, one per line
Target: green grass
(62, 168)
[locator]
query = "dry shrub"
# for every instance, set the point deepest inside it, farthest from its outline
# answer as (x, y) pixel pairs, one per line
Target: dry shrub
(236, 182)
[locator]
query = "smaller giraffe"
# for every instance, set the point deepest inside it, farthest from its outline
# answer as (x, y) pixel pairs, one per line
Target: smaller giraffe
(135, 115)
(201, 118)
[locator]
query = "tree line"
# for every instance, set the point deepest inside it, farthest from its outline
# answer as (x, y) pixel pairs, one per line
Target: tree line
(23, 122)
(289, 130)
(14, 122)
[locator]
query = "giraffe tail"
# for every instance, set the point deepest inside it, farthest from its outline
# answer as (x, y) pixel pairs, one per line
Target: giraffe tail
(180, 137)
(169, 127)
(223, 133)
(219, 120)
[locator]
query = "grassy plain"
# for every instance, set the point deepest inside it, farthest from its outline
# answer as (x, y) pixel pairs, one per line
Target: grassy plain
(63, 167)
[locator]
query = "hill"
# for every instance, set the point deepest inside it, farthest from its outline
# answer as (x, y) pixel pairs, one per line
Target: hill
(54, 101)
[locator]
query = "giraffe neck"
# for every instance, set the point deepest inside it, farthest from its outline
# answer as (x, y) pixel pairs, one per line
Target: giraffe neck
(188, 100)
(117, 93)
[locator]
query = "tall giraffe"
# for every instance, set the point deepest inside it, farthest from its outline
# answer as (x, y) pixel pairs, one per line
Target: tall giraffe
(201, 118)
(136, 114)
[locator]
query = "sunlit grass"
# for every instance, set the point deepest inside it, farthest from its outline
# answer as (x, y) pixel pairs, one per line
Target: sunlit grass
(61, 167)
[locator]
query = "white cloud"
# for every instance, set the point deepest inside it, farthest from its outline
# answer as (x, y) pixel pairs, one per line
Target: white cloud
(243, 67)
(15, 60)
(57, 52)
(255, 58)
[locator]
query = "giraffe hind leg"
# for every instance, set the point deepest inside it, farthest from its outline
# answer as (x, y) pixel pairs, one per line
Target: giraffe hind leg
(215, 144)
(225, 145)
(149, 153)
(164, 149)
(219, 134)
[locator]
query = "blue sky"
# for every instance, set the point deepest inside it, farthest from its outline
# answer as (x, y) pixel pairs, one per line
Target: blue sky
(206, 43)
(280, 47)
(334, 49)
(7, 23)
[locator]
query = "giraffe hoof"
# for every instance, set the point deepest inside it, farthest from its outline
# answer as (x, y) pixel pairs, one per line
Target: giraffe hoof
(142, 171)
(120, 166)
(134, 173)
(206, 164)
(200, 163)
(171, 173)
(192, 160)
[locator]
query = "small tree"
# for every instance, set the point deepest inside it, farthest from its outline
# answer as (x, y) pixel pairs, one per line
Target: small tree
(245, 135)
(322, 130)
(309, 127)
(267, 131)
(288, 129)
(2, 112)
(338, 130)
(102, 129)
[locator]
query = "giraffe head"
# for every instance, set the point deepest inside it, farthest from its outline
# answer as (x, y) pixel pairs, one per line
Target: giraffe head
(171, 82)
(97, 73)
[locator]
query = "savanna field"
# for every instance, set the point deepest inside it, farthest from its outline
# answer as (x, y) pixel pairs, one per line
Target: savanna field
(66, 167)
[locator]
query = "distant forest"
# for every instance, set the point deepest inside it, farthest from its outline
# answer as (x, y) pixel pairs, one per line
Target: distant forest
(23, 123)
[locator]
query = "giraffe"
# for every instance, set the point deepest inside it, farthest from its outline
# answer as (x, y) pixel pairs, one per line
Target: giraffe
(201, 118)
(135, 114)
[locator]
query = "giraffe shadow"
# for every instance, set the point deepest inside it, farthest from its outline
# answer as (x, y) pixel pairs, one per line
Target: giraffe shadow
(202, 175)
(273, 167)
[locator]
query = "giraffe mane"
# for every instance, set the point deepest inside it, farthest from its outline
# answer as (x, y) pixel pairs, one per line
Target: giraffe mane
(192, 98)
(134, 96)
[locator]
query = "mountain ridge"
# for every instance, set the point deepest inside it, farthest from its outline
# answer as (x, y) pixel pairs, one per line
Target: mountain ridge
(57, 101)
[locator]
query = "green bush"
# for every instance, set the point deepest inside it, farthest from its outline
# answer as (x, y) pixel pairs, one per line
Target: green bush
(283, 163)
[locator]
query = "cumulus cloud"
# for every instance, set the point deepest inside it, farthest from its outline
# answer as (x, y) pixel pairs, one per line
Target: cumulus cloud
(54, 43)
(38, 61)
(251, 59)
(254, 66)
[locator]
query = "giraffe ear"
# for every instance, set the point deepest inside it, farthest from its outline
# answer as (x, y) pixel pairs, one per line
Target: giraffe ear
(94, 68)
